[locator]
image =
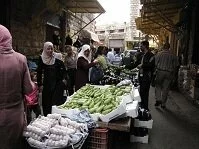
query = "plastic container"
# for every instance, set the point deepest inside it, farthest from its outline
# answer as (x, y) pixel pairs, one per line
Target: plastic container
(98, 139)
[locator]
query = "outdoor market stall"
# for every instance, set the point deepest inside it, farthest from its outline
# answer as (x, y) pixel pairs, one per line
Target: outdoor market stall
(112, 107)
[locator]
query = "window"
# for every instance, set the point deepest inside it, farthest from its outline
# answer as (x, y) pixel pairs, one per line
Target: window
(112, 31)
(102, 32)
(121, 30)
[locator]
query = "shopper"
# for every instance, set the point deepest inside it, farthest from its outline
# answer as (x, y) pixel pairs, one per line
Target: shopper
(101, 57)
(166, 66)
(110, 56)
(97, 71)
(83, 65)
(71, 66)
(51, 78)
(32, 99)
(14, 83)
(146, 69)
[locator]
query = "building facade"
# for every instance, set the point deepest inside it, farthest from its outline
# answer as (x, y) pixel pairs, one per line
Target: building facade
(134, 13)
(31, 23)
(114, 35)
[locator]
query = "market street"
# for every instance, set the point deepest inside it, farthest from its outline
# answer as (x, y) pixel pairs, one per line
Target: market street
(176, 127)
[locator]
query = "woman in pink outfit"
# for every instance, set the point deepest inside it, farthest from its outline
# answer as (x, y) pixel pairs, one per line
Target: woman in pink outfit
(15, 82)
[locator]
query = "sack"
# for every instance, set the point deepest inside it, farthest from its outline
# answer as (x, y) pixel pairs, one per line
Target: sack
(96, 74)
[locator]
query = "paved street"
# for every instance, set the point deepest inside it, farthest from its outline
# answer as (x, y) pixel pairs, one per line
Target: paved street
(174, 128)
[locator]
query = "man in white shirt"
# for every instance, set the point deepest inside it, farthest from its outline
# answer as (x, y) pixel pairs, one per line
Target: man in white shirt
(110, 56)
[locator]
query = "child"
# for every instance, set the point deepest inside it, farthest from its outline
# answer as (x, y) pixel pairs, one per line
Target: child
(31, 100)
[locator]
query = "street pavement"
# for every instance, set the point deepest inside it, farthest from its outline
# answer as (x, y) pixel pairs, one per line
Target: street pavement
(176, 127)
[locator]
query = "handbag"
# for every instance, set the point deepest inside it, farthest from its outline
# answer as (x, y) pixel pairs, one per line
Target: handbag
(32, 98)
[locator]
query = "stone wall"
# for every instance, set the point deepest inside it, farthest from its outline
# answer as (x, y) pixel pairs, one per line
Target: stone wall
(28, 38)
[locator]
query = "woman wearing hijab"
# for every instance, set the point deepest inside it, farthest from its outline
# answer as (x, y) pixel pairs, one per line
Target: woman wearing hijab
(52, 82)
(83, 65)
(15, 82)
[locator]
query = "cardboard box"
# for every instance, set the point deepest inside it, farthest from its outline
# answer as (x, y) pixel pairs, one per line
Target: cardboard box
(145, 124)
(95, 116)
(127, 98)
(132, 109)
(136, 95)
(57, 110)
(120, 110)
(144, 139)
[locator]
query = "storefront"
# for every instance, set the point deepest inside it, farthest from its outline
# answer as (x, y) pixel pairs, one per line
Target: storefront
(177, 21)
(30, 23)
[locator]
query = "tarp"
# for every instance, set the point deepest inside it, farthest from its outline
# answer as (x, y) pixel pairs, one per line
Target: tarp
(89, 34)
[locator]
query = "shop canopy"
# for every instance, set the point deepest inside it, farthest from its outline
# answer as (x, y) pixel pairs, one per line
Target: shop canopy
(159, 17)
(89, 34)
(160, 14)
(84, 6)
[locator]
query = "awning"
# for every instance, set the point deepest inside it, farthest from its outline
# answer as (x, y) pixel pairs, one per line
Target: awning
(89, 34)
(84, 6)
(160, 14)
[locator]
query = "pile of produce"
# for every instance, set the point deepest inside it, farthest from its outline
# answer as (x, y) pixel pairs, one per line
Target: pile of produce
(97, 100)
(54, 131)
(114, 74)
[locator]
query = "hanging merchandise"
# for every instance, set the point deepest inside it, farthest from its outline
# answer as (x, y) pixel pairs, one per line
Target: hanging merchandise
(77, 43)
(56, 38)
(69, 41)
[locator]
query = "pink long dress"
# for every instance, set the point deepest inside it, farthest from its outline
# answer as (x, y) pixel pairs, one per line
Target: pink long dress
(14, 83)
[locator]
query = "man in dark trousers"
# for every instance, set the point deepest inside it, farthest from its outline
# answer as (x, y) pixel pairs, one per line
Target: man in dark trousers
(145, 73)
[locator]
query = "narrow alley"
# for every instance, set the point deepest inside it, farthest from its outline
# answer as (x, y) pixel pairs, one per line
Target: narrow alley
(173, 128)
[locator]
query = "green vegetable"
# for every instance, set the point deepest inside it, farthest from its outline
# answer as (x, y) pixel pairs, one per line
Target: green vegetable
(107, 107)
(106, 111)
(91, 105)
(98, 110)
(108, 100)
(92, 110)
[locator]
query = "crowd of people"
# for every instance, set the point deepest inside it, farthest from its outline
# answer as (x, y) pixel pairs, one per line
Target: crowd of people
(56, 73)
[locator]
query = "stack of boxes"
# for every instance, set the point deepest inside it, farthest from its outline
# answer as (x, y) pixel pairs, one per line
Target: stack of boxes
(142, 123)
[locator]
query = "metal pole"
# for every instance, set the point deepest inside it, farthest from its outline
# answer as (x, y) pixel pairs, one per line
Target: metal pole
(86, 25)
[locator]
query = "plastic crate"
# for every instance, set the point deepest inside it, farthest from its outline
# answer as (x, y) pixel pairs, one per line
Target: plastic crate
(98, 139)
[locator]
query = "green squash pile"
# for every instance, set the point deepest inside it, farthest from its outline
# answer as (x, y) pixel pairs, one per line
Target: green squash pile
(97, 100)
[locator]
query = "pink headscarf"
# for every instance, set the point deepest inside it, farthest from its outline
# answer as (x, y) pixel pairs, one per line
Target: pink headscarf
(5, 40)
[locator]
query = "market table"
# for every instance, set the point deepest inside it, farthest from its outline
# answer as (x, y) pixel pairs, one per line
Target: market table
(122, 124)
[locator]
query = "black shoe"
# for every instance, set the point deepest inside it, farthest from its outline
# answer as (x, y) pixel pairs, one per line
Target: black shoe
(158, 103)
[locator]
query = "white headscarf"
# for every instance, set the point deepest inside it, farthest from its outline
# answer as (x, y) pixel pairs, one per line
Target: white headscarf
(81, 53)
(48, 60)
